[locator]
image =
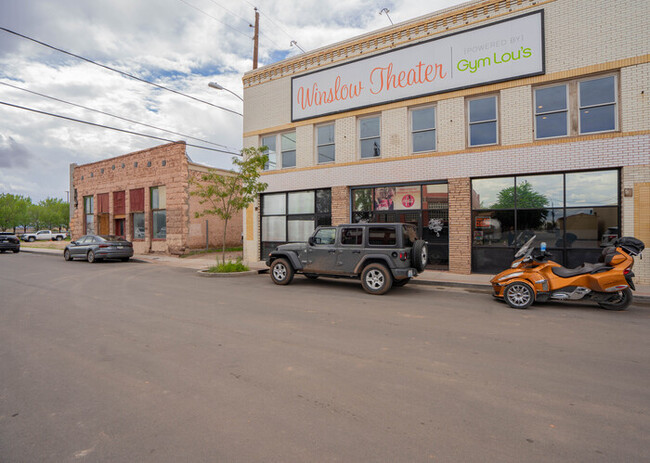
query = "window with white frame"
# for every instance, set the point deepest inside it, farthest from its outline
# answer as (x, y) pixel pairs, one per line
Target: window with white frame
(483, 122)
(281, 150)
(288, 149)
(552, 111)
(597, 104)
(370, 136)
(423, 129)
(577, 107)
(325, 147)
(272, 162)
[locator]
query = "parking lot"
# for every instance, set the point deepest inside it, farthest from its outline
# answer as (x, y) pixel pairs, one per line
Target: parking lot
(143, 362)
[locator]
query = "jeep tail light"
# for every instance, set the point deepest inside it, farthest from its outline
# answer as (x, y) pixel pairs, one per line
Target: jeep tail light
(403, 255)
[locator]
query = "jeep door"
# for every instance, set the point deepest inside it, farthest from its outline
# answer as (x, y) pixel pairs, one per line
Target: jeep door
(321, 251)
(349, 251)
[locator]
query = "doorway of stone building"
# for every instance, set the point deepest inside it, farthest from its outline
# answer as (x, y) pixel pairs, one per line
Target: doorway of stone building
(120, 228)
(104, 228)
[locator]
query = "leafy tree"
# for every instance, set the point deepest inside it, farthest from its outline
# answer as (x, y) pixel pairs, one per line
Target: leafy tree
(527, 198)
(12, 210)
(227, 194)
(55, 213)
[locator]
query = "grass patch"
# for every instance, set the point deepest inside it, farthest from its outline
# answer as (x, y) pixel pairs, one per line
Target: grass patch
(229, 267)
(211, 251)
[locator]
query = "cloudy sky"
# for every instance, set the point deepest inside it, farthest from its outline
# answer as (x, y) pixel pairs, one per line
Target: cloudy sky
(178, 44)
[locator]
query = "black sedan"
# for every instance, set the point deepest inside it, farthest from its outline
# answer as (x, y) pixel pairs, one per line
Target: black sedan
(9, 242)
(99, 247)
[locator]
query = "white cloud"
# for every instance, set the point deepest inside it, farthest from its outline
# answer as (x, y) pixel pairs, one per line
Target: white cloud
(166, 41)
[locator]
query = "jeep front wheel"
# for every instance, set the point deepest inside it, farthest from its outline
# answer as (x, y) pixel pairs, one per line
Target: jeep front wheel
(376, 279)
(281, 272)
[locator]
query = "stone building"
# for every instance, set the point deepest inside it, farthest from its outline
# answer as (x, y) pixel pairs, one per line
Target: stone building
(145, 197)
(481, 124)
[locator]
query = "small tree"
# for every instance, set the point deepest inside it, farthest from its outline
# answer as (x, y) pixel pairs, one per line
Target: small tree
(227, 194)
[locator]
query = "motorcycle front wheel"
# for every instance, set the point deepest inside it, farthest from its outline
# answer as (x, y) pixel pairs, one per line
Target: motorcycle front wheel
(519, 295)
(620, 302)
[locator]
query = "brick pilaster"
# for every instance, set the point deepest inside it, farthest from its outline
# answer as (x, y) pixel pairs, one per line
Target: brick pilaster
(340, 205)
(460, 226)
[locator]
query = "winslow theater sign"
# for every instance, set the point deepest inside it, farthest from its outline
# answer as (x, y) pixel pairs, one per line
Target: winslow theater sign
(501, 51)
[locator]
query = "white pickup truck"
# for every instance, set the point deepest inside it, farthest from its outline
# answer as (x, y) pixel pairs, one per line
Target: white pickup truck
(43, 235)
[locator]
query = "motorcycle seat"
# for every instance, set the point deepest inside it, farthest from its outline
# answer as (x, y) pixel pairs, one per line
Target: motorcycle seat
(572, 272)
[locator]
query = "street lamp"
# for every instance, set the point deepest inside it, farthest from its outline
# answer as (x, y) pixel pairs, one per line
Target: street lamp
(219, 87)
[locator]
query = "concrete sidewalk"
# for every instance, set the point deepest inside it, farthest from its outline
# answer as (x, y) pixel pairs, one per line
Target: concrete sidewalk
(428, 277)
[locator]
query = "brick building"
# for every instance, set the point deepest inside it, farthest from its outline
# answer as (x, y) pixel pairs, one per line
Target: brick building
(482, 124)
(145, 197)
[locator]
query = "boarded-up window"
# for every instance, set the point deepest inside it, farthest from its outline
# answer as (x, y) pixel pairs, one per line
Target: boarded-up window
(136, 200)
(102, 203)
(118, 202)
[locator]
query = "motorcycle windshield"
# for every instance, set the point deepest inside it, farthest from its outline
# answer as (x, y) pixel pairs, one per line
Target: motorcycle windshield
(524, 249)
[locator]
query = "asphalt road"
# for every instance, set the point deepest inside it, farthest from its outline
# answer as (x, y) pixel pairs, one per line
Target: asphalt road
(135, 362)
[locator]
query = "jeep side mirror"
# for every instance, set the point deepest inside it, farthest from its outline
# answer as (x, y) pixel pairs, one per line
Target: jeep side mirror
(73, 242)
(311, 241)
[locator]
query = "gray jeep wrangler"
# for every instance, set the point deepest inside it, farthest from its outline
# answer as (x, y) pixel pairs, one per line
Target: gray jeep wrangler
(382, 255)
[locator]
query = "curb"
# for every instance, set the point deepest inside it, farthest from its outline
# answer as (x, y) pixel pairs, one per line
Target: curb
(206, 274)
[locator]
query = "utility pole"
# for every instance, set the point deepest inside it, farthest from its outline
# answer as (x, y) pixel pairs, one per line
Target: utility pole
(256, 38)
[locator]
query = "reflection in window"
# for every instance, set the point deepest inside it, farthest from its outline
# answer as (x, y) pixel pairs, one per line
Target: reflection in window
(423, 126)
(591, 227)
(325, 143)
(323, 201)
(369, 137)
(138, 225)
(483, 121)
(362, 199)
(534, 191)
(592, 188)
(551, 112)
(494, 228)
(487, 192)
(597, 100)
(325, 237)
(351, 236)
(546, 224)
(288, 149)
(159, 212)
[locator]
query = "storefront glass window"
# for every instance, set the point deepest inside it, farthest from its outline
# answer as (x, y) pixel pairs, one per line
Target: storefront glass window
(574, 230)
(301, 202)
(89, 210)
(138, 225)
(488, 193)
(362, 199)
(551, 112)
(598, 188)
(292, 217)
(597, 99)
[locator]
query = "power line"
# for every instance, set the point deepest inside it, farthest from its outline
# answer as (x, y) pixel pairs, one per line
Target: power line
(210, 16)
(114, 128)
(111, 115)
(126, 74)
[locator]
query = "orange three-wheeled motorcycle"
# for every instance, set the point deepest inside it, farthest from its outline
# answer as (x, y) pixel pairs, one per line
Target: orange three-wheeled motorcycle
(532, 277)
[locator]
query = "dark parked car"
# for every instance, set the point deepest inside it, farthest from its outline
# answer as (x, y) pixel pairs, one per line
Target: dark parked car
(381, 255)
(99, 247)
(9, 242)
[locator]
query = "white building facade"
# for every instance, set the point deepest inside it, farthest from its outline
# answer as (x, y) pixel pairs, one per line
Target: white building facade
(481, 124)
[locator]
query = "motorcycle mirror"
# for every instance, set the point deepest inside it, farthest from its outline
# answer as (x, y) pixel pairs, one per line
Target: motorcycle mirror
(542, 247)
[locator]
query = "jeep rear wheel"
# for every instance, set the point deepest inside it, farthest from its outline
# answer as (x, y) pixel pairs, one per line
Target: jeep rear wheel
(281, 272)
(376, 279)
(420, 256)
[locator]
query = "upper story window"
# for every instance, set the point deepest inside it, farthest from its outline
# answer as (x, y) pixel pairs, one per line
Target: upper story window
(272, 162)
(551, 111)
(483, 123)
(288, 149)
(576, 108)
(423, 129)
(597, 104)
(281, 150)
(370, 136)
(325, 147)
